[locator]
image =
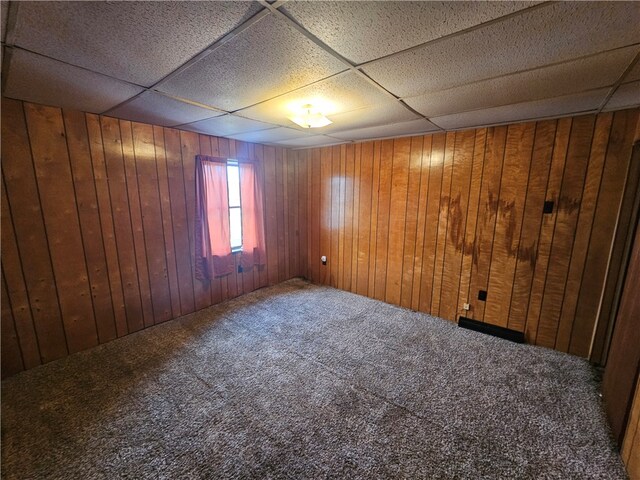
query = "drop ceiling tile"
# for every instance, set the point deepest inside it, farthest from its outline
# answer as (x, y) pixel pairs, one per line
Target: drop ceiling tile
(634, 74)
(226, 125)
(4, 10)
(341, 93)
(552, 107)
(362, 31)
(553, 33)
(39, 79)
(140, 42)
(267, 59)
(155, 108)
(272, 135)
(385, 113)
(626, 96)
(393, 130)
(573, 77)
(311, 141)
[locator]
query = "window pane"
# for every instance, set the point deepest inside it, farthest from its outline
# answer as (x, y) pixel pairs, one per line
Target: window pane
(233, 178)
(235, 227)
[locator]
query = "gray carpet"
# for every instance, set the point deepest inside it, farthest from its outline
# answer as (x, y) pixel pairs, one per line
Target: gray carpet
(300, 381)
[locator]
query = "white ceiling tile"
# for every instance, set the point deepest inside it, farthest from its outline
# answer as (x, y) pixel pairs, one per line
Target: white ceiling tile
(394, 130)
(226, 125)
(338, 94)
(155, 108)
(140, 42)
(541, 36)
(39, 79)
(626, 96)
(362, 31)
(311, 141)
(272, 135)
(573, 77)
(267, 59)
(384, 113)
(552, 107)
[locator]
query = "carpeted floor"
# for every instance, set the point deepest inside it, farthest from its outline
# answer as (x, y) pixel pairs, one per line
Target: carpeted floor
(300, 381)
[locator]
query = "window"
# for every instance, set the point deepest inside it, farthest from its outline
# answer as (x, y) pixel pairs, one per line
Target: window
(235, 208)
(229, 230)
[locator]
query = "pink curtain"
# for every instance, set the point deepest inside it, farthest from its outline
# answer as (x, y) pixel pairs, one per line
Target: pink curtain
(253, 243)
(213, 248)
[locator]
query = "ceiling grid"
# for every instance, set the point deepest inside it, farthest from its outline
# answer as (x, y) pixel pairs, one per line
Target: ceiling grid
(386, 69)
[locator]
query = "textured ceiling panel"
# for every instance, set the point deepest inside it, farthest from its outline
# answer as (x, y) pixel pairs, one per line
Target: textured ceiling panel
(553, 33)
(225, 125)
(38, 79)
(384, 113)
(393, 130)
(151, 107)
(573, 77)
(341, 93)
(268, 59)
(136, 41)
(626, 96)
(552, 107)
(311, 141)
(4, 10)
(273, 135)
(362, 31)
(634, 74)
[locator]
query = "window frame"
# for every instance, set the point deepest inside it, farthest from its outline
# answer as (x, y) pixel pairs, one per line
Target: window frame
(236, 164)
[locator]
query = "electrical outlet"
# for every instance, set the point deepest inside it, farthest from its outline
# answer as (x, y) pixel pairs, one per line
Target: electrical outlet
(466, 306)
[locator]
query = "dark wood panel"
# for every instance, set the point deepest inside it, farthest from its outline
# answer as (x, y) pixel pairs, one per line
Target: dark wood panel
(60, 213)
(101, 181)
(123, 227)
(79, 153)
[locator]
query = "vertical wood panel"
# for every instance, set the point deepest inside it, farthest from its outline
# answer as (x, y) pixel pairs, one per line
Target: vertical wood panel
(355, 217)
(411, 220)
(583, 231)
(532, 219)
(347, 219)
(365, 216)
(468, 244)
(397, 218)
(10, 345)
(568, 207)
(547, 229)
(431, 221)
(457, 221)
(384, 212)
(55, 185)
(489, 195)
(167, 222)
(179, 218)
(20, 309)
(144, 150)
(513, 188)
(114, 161)
(443, 221)
(421, 222)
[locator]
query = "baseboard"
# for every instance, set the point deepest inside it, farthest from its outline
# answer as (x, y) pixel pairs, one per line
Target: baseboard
(496, 331)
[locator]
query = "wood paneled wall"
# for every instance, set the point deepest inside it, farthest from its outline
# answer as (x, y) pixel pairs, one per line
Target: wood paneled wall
(97, 228)
(426, 222)
(631, 445)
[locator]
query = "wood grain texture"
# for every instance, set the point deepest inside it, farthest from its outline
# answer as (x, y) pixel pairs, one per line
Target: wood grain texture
(631, 445)
(440, 217)
(97, 229)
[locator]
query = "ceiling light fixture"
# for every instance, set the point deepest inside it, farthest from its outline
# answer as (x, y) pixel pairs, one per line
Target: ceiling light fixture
(310, 118)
